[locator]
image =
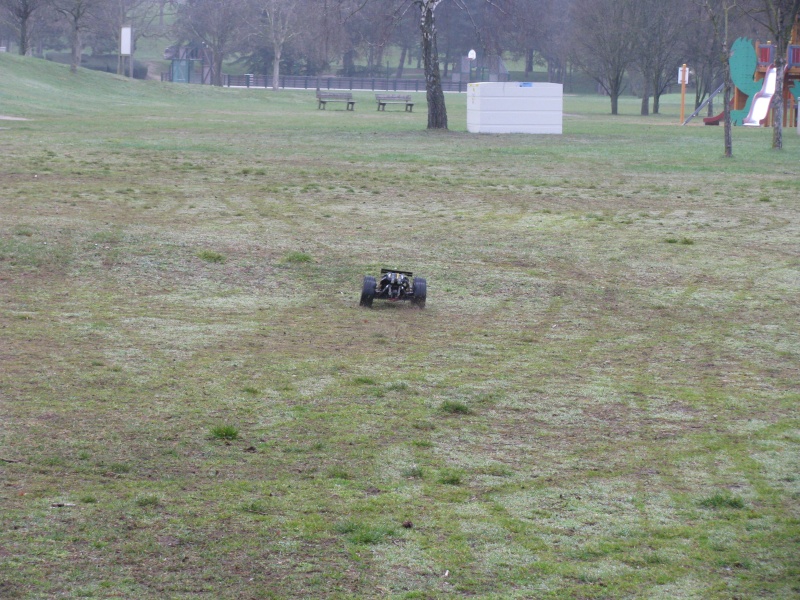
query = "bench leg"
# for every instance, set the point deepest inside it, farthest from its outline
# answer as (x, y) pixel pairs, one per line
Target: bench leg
(409, 108)
(321, 105)
(351, 106)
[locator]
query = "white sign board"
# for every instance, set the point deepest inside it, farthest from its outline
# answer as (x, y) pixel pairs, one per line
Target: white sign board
(125, 42)
(683, 75)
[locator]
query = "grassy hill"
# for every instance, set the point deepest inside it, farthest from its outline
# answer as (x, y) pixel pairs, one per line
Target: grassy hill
(599, 400)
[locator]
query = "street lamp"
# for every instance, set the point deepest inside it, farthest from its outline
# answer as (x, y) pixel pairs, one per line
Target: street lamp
(471, 56)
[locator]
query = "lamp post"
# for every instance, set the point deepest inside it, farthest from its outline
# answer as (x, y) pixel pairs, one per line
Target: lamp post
(471, 56)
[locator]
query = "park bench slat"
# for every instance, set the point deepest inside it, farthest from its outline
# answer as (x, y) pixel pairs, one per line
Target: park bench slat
(384, 99)
(324, 97)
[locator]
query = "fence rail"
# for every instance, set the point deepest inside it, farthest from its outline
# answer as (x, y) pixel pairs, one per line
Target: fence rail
(388, 84)
(375, 84)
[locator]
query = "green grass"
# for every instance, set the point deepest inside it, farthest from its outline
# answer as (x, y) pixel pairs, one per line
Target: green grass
(298, 257)
(224, 432)
(455, 407)
(211, 256)
(722, 500)
(615, 308)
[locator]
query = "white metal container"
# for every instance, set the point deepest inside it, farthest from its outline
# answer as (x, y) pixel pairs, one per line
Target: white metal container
(514, 107)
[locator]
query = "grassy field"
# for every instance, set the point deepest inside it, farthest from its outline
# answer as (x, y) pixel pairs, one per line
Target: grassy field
(599, 401)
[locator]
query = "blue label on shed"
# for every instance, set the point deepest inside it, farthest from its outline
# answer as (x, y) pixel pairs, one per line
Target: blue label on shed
(526, 84)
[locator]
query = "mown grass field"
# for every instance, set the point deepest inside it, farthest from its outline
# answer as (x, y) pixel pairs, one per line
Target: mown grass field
(599, 401)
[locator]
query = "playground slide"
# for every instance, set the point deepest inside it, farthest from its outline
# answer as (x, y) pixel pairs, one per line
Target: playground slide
(715, 120)
(759, 107)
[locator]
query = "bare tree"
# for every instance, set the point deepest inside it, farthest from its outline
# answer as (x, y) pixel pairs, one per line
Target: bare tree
(658, 27)
(426, 13)
(557, 40)
(405, 38)
(281, 22)
(604, 44)
(112, 15)
(76, 16)
(458, 30)
(720, 13)
(437, 111)
(217, 25)
(700, 49)
(778, 17)
(21, 13)
(540, 28)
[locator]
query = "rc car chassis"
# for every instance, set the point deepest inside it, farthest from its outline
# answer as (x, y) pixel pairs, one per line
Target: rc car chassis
(395, 286)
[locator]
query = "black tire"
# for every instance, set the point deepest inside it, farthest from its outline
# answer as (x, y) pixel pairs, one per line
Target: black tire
(420, 290)
(368, 291)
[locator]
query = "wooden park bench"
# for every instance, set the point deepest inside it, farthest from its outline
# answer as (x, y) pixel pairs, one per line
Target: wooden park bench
(384, 99)
(324, 97)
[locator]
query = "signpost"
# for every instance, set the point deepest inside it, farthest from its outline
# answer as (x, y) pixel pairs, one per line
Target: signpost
(683, 79)
(126, 47)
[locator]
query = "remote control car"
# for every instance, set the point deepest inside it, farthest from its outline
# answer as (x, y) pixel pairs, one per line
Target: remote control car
(394, 286)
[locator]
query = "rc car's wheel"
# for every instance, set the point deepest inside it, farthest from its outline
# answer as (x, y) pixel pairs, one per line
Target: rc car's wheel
(420, 289)
(368, 291)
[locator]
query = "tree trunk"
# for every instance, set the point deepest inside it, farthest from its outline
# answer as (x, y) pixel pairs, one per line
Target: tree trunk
(216, 70)
(657, 90)
(76, 50)
(720, 20)
(378, 61)
(777, 105)
(348, 62)
(726, 99)
(437, 111)
(276, 70)
(645, 111)
(23, 37)
(614, 103)
(401, 64)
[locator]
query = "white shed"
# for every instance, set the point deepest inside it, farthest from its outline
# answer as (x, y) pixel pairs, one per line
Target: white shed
(514, 107)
